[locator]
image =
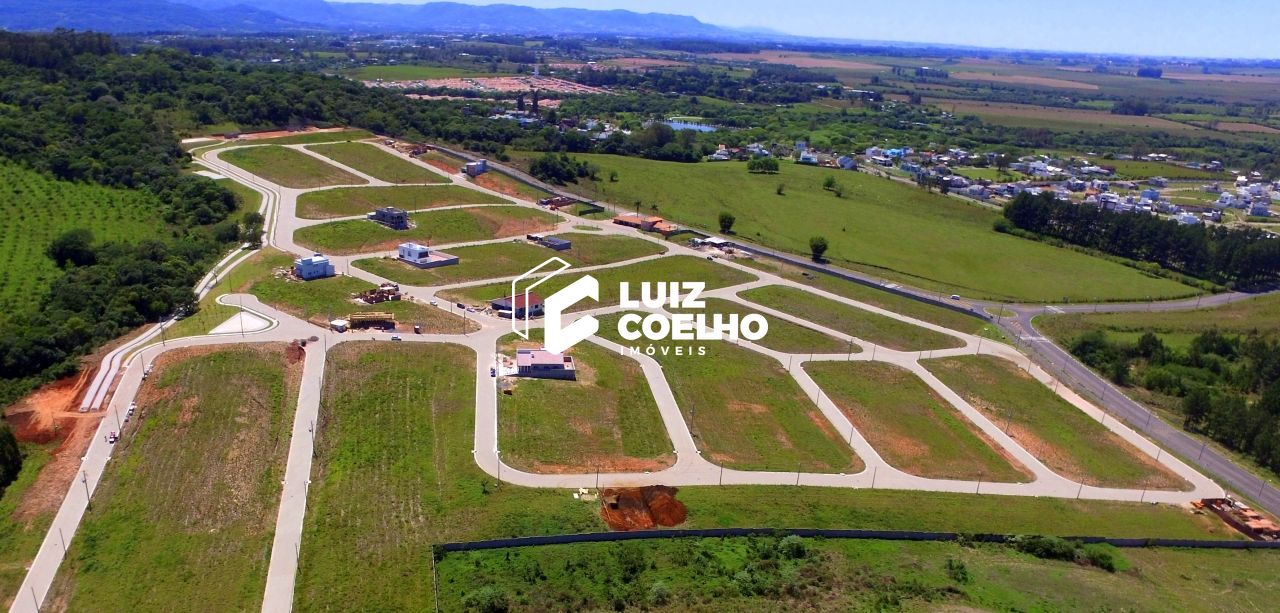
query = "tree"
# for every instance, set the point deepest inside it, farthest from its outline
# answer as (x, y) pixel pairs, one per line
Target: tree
(763, 165)
(10, 456)
(73, 246)
(818, 246)
(1196, 406)
(726, 222)
(829, 183)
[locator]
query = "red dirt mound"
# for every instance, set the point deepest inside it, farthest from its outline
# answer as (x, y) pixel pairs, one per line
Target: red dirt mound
(641, 508)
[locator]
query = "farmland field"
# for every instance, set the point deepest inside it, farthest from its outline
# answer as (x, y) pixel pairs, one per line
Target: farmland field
(289, 168)
(413, 72)
(781, 574)
(1032, 116)
(783, 335)
(432, 228)
(1069, 442)
(348, 201)
(498, 260)
(745, 411)
(665, 269)
(186, 510)
(321, 300)
(881, 227)
(377, 163)
(395, 435)
(606, 420)
(37, 209)
(910, 426)
(858, 323)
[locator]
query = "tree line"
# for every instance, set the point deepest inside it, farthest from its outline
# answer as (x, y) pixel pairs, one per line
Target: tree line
(1228, 385)
(1215, 253)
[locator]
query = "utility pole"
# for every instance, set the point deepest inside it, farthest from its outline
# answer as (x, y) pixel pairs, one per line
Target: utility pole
(84, 478)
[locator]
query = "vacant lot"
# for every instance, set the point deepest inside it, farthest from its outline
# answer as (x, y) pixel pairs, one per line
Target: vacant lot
(1137, 169)
(783, 335)
(186, 510)
(321, 300)
(781, 574)
(858, 323)
(882, 227)
(503, 184)
(37, 209)
(607, 420)
(377, 163)
(432, 228)
(916, 309)
(284, 166)
(660, 270)
(745, 411)
(800, 60)
(913, 428)
(348, 201)
(394, 474)
(1069, 442)
(510, 259)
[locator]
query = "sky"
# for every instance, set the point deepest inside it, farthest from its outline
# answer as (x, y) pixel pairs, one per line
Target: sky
(1197, 28)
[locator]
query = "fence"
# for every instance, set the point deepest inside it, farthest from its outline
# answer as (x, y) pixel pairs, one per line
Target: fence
(883, 535)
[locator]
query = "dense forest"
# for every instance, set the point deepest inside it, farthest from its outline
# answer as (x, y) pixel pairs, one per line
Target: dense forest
(1238, 256)
(1228, 385)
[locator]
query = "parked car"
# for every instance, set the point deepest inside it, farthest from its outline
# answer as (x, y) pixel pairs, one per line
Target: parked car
(396, 337)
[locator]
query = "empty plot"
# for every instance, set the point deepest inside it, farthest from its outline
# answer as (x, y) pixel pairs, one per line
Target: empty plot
(377, 163)
(394, 474)
(431, 227)
(1071, 443)
(284, 166)
(783, 335)
(872, 327)
(910, 426)
(510, 259)
(186, 509)
(658, 270)
(606, 420)
(745, 411)
(348, 201)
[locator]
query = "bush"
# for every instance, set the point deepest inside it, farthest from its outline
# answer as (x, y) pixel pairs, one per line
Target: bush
(818, 247)
(488, 599)
(1046, 547)
(10, 456)
(659, 594)
(793, 547)
(1001, 225)
(958, 571)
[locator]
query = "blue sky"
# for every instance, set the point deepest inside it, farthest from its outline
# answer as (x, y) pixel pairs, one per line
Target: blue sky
(1213, 28)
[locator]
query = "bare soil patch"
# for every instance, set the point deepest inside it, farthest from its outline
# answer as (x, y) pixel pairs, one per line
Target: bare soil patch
(799, 60)
(1241, 126)
(641, 508)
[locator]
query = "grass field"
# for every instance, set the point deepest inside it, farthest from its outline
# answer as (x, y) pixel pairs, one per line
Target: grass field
(432, 228)
(745, 411)
(872, 327)
(289, 168)
(1059, 119)
(1259, 314)
(783, 335)
(321, 300)
(413, 72)
(305, 138)
(37, 209)
(377, 163)
(910, 426)
(20, 536)
(606, 420)
(394, 474)
(186, 510)
(774, 574)
(348, 201)
(1069, 442)
(510, 259)
(257, 268)
(247, 200)
(1137, 169)
(880, 226)
(665, 269)
(923, 311)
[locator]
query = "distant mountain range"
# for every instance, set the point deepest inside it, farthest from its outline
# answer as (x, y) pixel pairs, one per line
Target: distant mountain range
(249, 16)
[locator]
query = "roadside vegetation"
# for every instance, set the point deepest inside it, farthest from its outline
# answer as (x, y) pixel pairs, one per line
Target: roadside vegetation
(288, 167)
(186, 510)
(348, 201)
(910, 426)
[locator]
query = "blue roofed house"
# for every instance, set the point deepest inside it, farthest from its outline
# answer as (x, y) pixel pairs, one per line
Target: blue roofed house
(315, 267)
(847, 162)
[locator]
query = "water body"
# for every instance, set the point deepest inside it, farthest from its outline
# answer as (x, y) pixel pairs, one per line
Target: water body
(684, 125)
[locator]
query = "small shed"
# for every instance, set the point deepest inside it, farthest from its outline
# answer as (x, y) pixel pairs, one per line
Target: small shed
(556, 243)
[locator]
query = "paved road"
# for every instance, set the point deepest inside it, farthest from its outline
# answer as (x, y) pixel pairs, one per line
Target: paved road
(690, 467)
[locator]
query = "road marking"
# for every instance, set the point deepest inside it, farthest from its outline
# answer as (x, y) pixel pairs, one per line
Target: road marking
(1058, 310)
